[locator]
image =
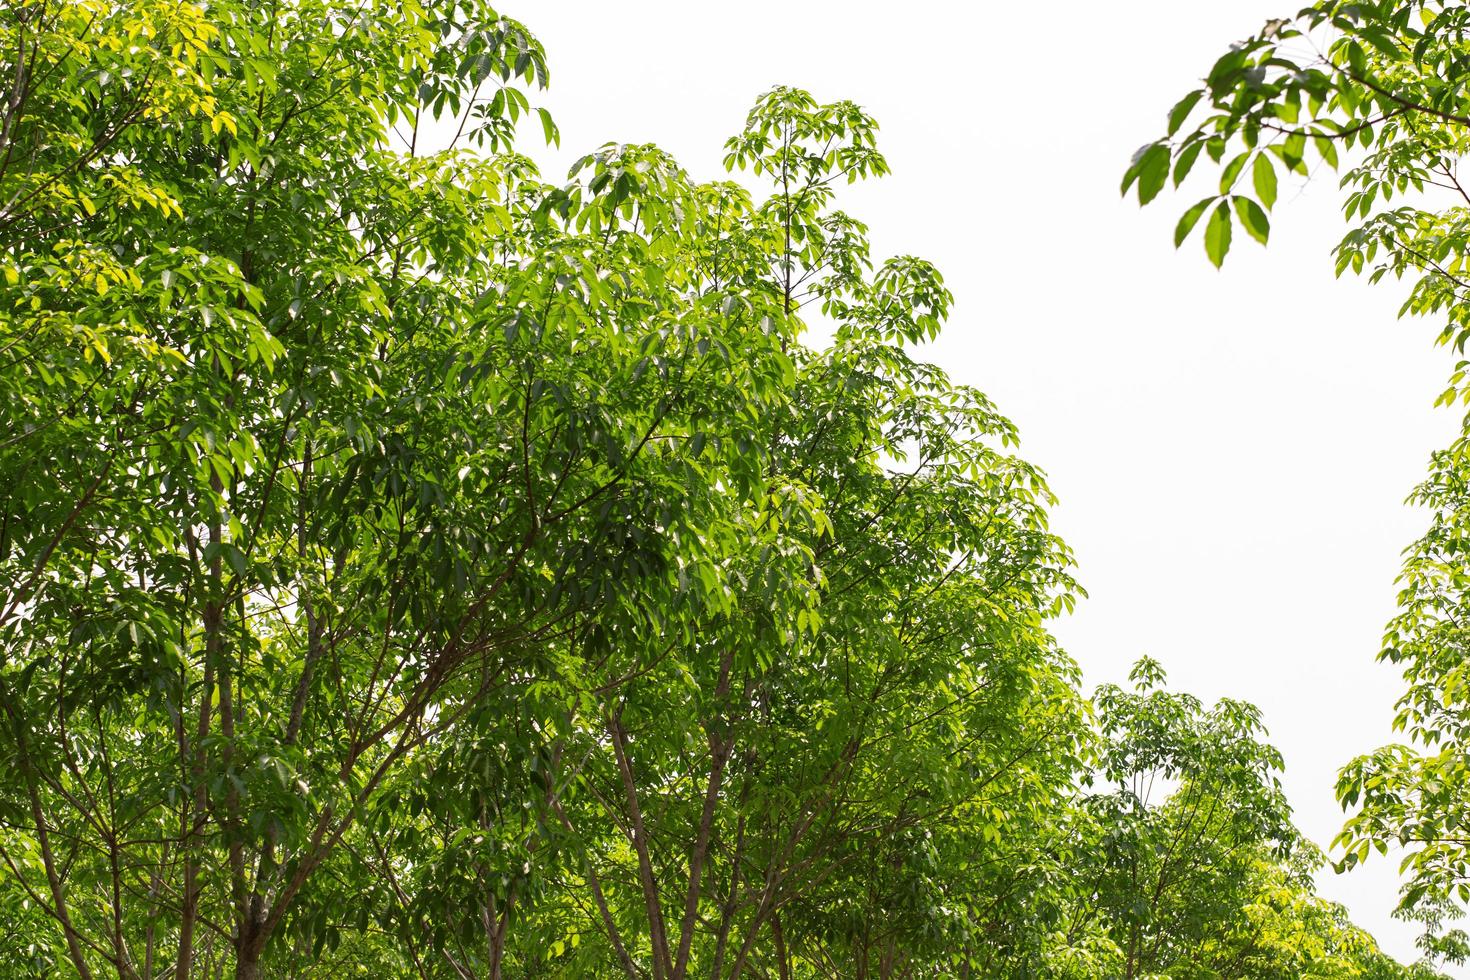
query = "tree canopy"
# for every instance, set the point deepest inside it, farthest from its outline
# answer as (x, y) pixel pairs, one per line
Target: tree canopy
(412, 567)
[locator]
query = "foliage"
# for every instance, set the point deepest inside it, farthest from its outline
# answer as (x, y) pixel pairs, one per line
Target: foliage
(1191, 867)
(1378, 90)
(1168, 876)
(416, 569)
(1416, 795)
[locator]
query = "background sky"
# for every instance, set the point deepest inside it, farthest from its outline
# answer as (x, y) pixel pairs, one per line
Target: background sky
(1232, 449)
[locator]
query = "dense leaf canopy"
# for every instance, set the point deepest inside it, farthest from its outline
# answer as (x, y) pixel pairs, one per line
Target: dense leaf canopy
(410, 567)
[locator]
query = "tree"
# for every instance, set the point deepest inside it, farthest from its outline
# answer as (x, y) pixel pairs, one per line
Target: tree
(725, 793)
(405, 471)
(1416, 795)
(352, 456)
(1285, 931)
(1169, 876)
(1189, 866)
(1375, 88)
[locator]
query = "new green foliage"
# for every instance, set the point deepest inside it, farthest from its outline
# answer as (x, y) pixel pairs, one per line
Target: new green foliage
(413, 568)
(1377, 91)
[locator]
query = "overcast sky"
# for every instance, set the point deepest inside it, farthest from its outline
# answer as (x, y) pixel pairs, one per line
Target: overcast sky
(1232, 448)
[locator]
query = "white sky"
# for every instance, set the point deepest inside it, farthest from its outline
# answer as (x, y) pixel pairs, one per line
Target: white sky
(1232, 448)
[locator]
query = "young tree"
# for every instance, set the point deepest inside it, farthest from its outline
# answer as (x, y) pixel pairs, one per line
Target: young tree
(396, 470)
(1170, 875)
(1191, 867)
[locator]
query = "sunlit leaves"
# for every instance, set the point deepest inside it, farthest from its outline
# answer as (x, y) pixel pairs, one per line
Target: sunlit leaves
(1378, 93)
(383, 521)
(1252, 219)
(1217, 233)
(1182, 109)
(1188, 811)
(1150, 169)
(1263, 175)
(1189, 219)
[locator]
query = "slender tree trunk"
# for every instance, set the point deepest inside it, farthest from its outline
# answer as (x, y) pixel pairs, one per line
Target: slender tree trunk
(727, 910)
(248, 948)
(779, 940)
(658, 936)
(720, 747)
(183, 967)
(497, 925)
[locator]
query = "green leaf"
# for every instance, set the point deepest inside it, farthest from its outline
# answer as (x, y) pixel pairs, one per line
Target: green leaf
(234, 556)
(548, 128)
(1189, 219)
(1263, 174)
(1182, 109)
(1232, 171)
(1294, 152)
(1326, 150)
(1223, 75)
(1217, 234)
(1357, 58)
(1185, 161)
(1380, 40)
(1252, 219)
(1150, 167)
(1153, 172)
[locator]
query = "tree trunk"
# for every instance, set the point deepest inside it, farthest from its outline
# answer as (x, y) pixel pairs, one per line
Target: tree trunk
(247, 967)
(250, 943)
